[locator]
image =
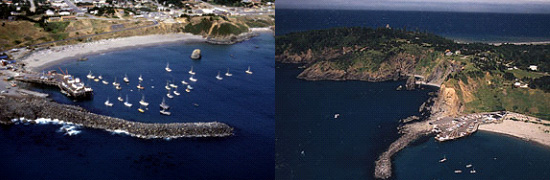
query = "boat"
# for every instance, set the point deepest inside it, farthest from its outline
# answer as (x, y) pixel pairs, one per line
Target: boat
(184, 82)
(120, 99)
(191, 71)
(458, 171)
(118, 88)
(90, 76)
(142, 102)
(173, 85)
(115, 83)
(100, 77)
(125, 79)
(473, 171)
(187, 90)
(189, 87)
(107, 103)
(469, 166)
(96, 80)
(141, 110)
(227, 73)
(443, 160)
(140, 78)
(105, 82)
(248, 71)
(167, 87)
(164, 112)
(169, 95)
(176, 91)
(218, 77)
(168, 67)
(127, 104)
(192, 79)
(163, 105)
(140, 87)
(336, 116)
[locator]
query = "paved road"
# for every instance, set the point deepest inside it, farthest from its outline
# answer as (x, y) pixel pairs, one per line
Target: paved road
(70, 3)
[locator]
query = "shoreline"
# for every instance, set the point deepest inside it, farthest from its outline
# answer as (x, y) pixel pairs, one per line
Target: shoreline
(47, 57)
(526, 131)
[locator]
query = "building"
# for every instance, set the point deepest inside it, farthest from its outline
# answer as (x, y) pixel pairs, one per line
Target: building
(533, 67)
(50, 13)
(64, 13)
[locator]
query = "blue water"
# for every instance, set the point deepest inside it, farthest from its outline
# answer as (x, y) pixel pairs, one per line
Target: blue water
(484, 27)
(245, 102)
(342, 148)
(346, 148)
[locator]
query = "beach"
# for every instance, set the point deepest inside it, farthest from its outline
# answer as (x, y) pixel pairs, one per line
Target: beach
(52, 55)
(524, 130)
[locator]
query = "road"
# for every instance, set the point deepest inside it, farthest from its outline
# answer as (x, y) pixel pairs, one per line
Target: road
(71, 4)
(33, 7)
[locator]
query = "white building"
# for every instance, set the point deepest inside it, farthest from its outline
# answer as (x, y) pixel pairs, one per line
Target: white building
(50, 13)
(64, 13)
(533, 67)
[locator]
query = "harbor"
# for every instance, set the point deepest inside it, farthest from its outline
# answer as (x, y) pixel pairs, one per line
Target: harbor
(448, 128)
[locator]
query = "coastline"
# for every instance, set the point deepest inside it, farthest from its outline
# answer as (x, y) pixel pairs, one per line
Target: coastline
(523, 130)
(46, 57)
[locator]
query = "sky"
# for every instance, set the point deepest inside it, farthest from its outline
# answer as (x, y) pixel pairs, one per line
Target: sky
(497, 6)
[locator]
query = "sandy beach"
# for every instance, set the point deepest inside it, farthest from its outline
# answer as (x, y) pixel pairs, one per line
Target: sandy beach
(44, 57)
(525, 130)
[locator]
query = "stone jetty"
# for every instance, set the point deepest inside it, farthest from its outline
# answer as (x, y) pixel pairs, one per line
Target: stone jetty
(30, 107)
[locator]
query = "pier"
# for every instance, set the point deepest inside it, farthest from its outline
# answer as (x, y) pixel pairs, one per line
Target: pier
(448, 128)
(67, 84)
(31, 108)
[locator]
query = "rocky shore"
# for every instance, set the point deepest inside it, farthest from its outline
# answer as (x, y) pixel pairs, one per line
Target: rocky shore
(15, 107)
(232, 39)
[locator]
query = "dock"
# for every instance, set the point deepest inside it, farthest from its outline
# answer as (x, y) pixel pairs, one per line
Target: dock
(68, 85)
(448, 128)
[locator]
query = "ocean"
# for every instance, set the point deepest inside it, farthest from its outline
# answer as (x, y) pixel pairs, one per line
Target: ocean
(312, 144)
(464, 27)
(243, 101)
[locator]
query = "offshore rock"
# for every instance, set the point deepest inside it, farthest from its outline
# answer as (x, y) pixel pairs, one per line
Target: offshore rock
(196, 54)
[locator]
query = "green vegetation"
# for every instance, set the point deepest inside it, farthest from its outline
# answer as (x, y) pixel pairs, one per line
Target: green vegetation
(478, 72)
(202, 27)
(227, 29)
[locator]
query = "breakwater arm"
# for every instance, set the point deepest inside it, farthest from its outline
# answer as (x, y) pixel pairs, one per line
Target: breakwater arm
(34, 107)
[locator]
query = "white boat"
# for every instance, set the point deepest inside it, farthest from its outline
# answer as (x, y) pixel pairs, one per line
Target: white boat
(100, 77)
(187, 90)
(173, 85)
(164, 112)
(163, 105)
(336, 116)
(191, 71)
(140, 78)
(141, 110)
(125, 79)
(248, 71)
(142, 102)
(118, 88)
(473, 171)
(227, 73)
(115, 83)
(192, 79)
(140, 87)
(169, 95)
(90, 76)
(218, 77)
(105, 82)
(120, 99)
(189, 87)
(167, 87)
(107, 103)
(443, 160)
(127, 104)
(469, 166)
(176, 91)
(184, 82)
(168, 67)
(458, 171)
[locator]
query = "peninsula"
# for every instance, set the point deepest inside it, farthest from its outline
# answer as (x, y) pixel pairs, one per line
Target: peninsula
(480, 86)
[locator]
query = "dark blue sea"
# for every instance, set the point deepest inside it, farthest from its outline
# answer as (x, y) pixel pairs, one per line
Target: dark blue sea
(312, 144)
(245, 102)
(466, 27)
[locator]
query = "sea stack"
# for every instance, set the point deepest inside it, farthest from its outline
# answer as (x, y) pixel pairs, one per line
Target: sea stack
(196, 54)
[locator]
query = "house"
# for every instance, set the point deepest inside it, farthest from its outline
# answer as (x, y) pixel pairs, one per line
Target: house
(533, 67)
(517, 84)
(64, 13)
(50, 13)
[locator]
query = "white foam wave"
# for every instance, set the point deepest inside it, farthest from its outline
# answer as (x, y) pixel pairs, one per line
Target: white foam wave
(68, 128)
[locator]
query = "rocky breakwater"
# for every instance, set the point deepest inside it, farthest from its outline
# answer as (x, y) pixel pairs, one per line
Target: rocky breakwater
(14, 107)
